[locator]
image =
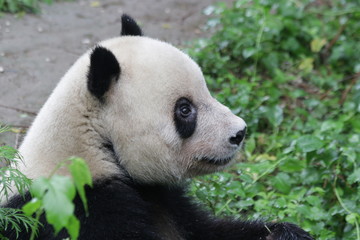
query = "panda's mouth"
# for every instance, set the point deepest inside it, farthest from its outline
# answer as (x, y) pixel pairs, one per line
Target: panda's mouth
(216, 161)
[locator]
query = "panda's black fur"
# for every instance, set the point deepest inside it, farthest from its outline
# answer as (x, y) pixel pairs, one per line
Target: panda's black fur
(124, 208)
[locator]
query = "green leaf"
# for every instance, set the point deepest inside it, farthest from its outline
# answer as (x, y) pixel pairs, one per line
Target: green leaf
(16, 221)
(349, 153)
(8, 152)
(201, 195)
(307, 64)
(73, 227)
(39, 186)
(354, 138)
(275, 115)
(317, 214)
(291, 44)
(292, 165)
(317, 44)
(4, 128)
(58, 203)
(282, 182)
(357, 68)
(314, 200)
(250, 145)
(309, 143)
(81, 176)
(248, 52)
(352, 217)
(336, 126)
(354, 177)
(31, 207)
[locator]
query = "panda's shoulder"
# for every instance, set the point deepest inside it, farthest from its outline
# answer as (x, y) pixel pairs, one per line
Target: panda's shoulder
(132, 200)
(113, 204)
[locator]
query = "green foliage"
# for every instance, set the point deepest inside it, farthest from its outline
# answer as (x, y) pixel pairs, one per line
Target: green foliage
(81, 175)
(10, 176)
(54, 196)
(291, 69)
(16, 221)
(16, 6)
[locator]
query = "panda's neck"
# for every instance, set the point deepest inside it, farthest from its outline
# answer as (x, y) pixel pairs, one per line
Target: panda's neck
(63, 129)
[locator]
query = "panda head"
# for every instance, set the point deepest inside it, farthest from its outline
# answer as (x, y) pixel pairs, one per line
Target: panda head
(156, 112)
(133, 106)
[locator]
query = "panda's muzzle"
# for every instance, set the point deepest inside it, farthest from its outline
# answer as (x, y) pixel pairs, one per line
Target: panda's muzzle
(216, 161)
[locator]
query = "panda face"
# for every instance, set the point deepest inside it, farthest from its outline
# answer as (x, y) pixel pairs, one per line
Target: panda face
(160, 117)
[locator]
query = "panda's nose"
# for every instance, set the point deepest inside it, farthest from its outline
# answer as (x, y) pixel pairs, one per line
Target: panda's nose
(236, 140)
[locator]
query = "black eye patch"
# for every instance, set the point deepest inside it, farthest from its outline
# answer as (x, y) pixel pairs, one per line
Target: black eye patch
(185, 115)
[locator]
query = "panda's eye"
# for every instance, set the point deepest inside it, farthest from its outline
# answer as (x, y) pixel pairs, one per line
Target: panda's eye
(185, 110)
(185, 115)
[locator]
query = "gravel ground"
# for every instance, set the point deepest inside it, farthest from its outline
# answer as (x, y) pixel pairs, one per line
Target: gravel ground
(36, 50)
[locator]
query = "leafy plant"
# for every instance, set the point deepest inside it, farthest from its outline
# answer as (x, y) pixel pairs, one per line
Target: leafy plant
(15, 6)
(11, 176)
(52, 196)
(16, 221)
(291, 69)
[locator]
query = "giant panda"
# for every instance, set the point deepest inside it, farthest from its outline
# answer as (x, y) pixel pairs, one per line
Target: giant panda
(139, 112)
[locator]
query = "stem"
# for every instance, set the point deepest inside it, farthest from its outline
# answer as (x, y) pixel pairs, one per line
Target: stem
(4, 128)
(258, 43)
(267, 171)
(224, 206)
(334, 40)
(348, 89)
(346, 209)
(334, 13)
(267, 228)
(58, 166)
(34, 230)
(273, 143)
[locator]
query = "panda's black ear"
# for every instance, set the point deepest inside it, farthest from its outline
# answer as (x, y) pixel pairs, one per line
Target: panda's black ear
(104, 68)
(129, 26)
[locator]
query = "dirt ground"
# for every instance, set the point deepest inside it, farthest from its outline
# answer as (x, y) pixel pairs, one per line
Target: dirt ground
(36, 50)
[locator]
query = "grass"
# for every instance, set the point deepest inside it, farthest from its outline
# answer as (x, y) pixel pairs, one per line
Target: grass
(291, 70)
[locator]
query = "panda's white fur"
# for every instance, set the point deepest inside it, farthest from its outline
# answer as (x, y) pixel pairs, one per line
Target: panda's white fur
(137, 119)
(139, 112)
